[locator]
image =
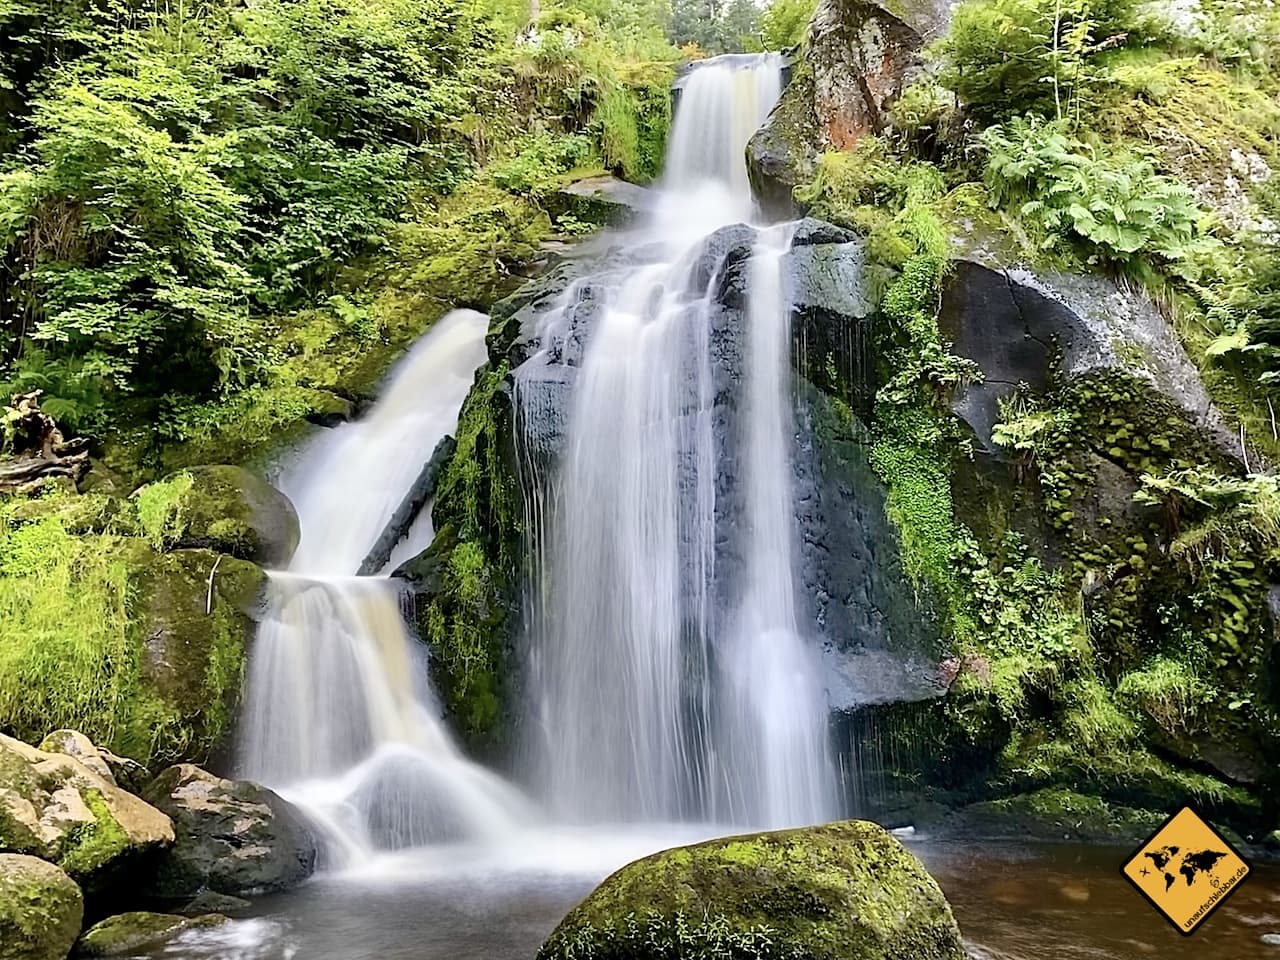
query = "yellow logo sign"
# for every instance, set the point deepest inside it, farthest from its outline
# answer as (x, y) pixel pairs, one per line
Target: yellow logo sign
(1186, 870)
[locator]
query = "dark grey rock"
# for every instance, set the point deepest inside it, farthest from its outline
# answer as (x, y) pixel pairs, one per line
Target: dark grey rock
(414, 501)
(233, 836)
(1015, 324)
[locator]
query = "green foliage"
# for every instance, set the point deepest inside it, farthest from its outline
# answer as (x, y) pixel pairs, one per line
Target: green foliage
(1215, 516)
(538, 159)
(716, 26)
(64, 640)
(1111, 204)
(1169, 691)
(785, 23)
(159, 507)
(1005, 57)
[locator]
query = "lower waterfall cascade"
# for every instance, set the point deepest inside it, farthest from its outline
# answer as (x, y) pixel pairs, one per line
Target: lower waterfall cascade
(341, 718)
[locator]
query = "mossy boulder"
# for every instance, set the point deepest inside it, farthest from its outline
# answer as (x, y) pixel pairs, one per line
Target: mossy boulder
(55, 807)
(843, 891)
(128, 933)
(232, 836)
(222, 508)
(603, 200)
(40, 909)
(192, 615)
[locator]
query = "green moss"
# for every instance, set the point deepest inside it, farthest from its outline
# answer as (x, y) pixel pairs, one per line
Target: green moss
(126, 934)
(472, 563)
(844, 891)
(1058, 812)
(91, 846)
(40, 909)
(148, 658)
(160, 509)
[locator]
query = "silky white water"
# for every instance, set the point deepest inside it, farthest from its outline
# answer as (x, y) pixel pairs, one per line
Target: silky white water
(654, 696)
(341, 718)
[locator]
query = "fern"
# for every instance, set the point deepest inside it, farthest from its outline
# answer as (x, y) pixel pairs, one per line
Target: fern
(1110, 204)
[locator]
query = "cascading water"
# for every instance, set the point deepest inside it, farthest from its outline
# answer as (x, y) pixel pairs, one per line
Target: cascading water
(341, 718)
(663, 687)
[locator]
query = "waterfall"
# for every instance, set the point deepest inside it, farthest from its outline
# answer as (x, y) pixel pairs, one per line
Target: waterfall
(341, 718)
(663, 685)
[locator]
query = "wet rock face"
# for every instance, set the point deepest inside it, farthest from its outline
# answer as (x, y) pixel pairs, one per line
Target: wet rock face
(879, 641)
(40, 909)
(232, 836)
(1018, 325)
(843, 891)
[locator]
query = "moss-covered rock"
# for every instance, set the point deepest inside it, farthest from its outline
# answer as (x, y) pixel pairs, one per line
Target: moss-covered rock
(232, 836)
(843, 891)
(467, 580)
(40, 909)
(54, 806)
(126, 934)
(193, 616)
(221, 508)
(602, 200)
(1057, 813)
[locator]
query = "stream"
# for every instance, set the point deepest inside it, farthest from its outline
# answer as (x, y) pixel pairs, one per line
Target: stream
(1013, 902)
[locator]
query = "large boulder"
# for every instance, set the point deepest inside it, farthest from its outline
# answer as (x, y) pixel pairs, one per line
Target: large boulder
(843, 891)
(40, 909)
(127, 934)
(603, 200)
(55, 807)
(223, 508)
(859, 58)
(1020, 327)
(232, 836)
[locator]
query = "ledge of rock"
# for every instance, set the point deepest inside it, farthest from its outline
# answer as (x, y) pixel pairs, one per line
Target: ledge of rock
(842, 891)
(1014, 323)
(605, 200)
(126, 934)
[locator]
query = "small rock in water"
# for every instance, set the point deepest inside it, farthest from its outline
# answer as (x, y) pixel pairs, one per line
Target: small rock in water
(1075, 893)
(1141, 946)
(903, 832)
(1008, 892)
(1271, 939)
(210, 901)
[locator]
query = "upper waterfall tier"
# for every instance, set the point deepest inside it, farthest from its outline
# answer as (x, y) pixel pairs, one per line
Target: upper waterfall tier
(669, 675)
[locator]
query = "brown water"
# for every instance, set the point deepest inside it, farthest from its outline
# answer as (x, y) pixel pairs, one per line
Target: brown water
(1027, 902)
